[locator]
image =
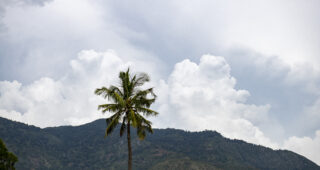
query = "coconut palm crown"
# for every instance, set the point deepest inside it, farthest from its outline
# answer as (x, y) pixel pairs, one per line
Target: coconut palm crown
(129, 104)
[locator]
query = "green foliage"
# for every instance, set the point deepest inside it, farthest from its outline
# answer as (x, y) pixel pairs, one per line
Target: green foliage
(7, 159)
(128, 102)
(82, 147)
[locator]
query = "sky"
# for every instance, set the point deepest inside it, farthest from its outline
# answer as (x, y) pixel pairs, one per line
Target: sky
(249, 70)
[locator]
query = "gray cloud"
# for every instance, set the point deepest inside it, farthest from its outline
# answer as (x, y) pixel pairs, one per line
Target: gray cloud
(8, 50)
(9, 3)
(44, 44)
(268, 80)
(5, 3)
(270, 46)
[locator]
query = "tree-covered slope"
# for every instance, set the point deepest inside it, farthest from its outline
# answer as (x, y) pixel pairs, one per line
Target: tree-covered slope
(84, 147)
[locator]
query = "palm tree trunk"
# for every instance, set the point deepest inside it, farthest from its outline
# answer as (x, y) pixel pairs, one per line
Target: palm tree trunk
(129, 148)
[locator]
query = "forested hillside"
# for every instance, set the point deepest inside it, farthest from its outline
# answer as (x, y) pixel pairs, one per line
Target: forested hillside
(84, 147)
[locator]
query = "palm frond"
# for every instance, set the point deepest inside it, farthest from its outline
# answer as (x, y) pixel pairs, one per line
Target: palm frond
(141, 120)
(132, 117)
(144, 93)
(111, 94)
(116, 89)
(112, 122)
(144, 125)
(142, 78)
(110, 107)
(143, 102)
(101, 91)
(146, 111)
(125, 83)
(140, 98)
(141, 132)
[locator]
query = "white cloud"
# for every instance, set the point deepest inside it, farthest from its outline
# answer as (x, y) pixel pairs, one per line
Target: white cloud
(309, 147)
(195, 97)
(203, 96)
(69, 100)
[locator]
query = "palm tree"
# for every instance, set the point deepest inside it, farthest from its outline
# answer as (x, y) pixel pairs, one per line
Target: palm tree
(129, 105)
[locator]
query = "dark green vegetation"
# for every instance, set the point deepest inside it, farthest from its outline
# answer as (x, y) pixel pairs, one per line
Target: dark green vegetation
(84, 147)
(128, 104)
(7, 159)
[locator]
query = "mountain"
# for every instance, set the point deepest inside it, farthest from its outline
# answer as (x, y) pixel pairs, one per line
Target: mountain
(84, 147)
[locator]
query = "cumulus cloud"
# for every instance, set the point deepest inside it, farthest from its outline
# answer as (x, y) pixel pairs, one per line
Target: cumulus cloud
(306, 146)
(69, 100)
(195, 97)
(203, 96)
